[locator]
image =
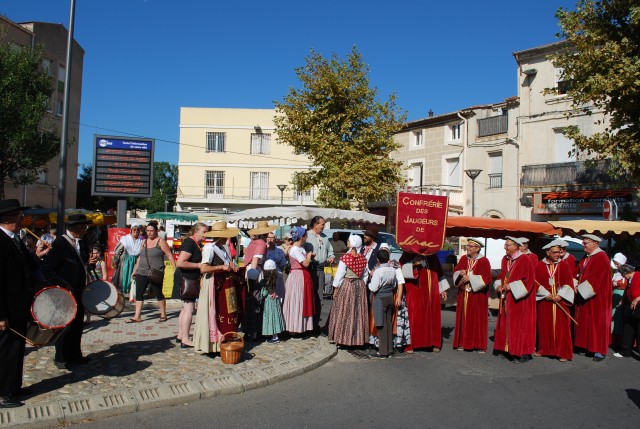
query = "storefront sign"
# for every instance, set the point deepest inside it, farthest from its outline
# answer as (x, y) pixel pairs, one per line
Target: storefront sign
(579, 202)
(421, 221)
(122, 167)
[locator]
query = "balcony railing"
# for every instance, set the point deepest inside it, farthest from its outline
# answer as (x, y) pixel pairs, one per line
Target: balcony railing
(453, 192)
(495, 180)
(493, 125)
(566, 173)
(194, 193)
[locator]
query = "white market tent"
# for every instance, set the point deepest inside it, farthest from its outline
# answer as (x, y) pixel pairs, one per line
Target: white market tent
(292, 215)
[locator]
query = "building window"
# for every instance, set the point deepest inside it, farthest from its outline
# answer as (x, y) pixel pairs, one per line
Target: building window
(564, 147)
(304, 196)
(46, 66)
(495, 170)
(260, 143)
(259, 186)
(61, 78)
(453, 133)
(416, 170)
(452, 172)
(214, 184)
(417, 138)
(59, 107)
(562, 83)
(215, 142)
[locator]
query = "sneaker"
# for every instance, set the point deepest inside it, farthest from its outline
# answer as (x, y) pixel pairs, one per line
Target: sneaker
(598, 357)
(273, 341)
(377, 356)
(618, 355)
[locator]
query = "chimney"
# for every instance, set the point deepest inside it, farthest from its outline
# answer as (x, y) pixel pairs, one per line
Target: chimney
(430, 113)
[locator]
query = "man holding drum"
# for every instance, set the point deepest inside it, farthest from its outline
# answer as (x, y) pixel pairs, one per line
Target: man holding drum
(16, 292)
(65, 267)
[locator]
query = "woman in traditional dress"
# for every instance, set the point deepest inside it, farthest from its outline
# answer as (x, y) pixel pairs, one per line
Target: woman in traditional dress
(125, 257)
(216, 318)
(619, 286)
(472, 275)
(349, 321)
(272, 320)
(299, 305)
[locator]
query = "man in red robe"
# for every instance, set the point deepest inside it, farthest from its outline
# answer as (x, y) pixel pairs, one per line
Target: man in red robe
(423, 300)
(593, 314)
(515, 332)
(472, 275)
(554, 322)
(526, 252)
(568, 259)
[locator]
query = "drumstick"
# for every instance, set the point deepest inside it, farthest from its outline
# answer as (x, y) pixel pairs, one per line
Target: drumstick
(36, 237)
(25, 338)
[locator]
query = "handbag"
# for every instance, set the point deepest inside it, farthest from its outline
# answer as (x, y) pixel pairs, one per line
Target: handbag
(190, 289)
(154, 275)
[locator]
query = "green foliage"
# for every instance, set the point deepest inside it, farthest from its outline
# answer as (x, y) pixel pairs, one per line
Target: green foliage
(27, 139)
(165, 185)
(336, 120)
(603, 63)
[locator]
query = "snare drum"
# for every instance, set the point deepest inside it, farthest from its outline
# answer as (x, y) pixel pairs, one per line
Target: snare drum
(103, 299)
(53, 309)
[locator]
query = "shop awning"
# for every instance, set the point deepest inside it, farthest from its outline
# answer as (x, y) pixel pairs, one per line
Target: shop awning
(185, 217)
(598, 227)
(468, 226)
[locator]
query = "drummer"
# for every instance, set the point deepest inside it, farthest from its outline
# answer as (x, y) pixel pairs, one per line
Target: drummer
(65, 267)
(16, 293)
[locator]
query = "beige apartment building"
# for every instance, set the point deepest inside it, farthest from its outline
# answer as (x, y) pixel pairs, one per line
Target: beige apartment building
(231, 160)
(53, 37)
(557, 183)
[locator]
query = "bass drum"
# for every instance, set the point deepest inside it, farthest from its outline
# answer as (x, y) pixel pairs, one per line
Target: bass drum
(103, 299)
(52, 310)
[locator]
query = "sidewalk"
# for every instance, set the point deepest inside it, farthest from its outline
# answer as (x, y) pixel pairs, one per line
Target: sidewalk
(139, 366)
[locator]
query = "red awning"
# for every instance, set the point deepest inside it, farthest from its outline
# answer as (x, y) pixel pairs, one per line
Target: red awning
(497, 228)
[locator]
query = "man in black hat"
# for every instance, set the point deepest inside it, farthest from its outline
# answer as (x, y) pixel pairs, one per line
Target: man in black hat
(370, 247)
(16, 293)
(65, 267)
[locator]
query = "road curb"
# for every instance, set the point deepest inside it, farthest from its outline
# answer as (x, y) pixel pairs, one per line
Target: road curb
(57, 413)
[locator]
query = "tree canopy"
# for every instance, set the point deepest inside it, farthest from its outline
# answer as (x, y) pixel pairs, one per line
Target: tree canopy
(603, 65)
(27, 139)
(336, 120)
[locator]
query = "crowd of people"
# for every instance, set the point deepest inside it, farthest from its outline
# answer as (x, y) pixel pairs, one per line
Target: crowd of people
(548, 307)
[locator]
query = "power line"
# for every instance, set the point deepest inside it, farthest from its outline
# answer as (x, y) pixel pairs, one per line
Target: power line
(189, 145)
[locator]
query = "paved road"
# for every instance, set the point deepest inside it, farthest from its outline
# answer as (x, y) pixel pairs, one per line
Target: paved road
(449, 389)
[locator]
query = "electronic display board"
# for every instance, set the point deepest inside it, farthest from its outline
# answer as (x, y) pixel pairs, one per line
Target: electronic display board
(122, 166)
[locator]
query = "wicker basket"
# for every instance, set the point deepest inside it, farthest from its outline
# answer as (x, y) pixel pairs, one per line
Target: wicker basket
(231, 347)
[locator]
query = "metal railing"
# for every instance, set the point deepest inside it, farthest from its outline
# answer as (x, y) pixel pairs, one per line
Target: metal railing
(564, 173)
(495, 180)
(493, 125)
(454, 193)
(243, 193)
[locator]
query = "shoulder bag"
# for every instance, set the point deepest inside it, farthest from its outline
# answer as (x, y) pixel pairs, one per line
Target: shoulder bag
(154, 275)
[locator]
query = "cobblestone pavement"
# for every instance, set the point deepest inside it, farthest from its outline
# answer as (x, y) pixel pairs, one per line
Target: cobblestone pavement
(126, 359)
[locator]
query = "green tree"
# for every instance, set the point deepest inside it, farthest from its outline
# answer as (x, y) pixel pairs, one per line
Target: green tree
(27, 139)
(603, 65)
(336, 120)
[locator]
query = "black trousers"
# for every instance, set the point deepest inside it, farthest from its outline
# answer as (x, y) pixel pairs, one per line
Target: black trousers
(68, 345)
(630, 333)
(385, 333)
(11, 358)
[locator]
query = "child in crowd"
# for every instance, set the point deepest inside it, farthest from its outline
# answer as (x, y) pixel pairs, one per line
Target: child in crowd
(272, 320)
(97, 269)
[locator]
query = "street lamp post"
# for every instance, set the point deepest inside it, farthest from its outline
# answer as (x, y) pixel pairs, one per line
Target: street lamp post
(473, 173)
(282, 189)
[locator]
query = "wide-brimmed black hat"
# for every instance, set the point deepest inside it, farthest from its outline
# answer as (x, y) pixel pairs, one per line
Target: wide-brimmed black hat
(372, 231)
(8, 206)
(77, 219)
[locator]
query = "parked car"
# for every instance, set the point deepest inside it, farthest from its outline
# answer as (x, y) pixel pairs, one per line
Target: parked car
(383, 237)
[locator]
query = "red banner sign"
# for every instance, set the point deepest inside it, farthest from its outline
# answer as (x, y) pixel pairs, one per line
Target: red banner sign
(114, 235)
(421, 222)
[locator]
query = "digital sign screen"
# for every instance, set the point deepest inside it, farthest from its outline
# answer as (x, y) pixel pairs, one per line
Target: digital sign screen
(122, 166)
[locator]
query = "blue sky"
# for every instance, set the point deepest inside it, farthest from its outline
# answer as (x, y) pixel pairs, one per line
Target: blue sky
(144, 59)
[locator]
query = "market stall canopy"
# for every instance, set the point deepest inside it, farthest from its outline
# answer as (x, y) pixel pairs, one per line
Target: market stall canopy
(598, 227)
(39, 218)
(468, 226)
(185, 217)
(293, 215)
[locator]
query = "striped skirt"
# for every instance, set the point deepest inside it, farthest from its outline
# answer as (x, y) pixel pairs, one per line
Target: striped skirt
(349, 321)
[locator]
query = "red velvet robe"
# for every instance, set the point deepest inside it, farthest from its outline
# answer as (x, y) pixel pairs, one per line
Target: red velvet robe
(571, 262)
(532, 257)
(554, 326)
(472, 309)
(516, 325)
(423, 304)
(593, 331)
